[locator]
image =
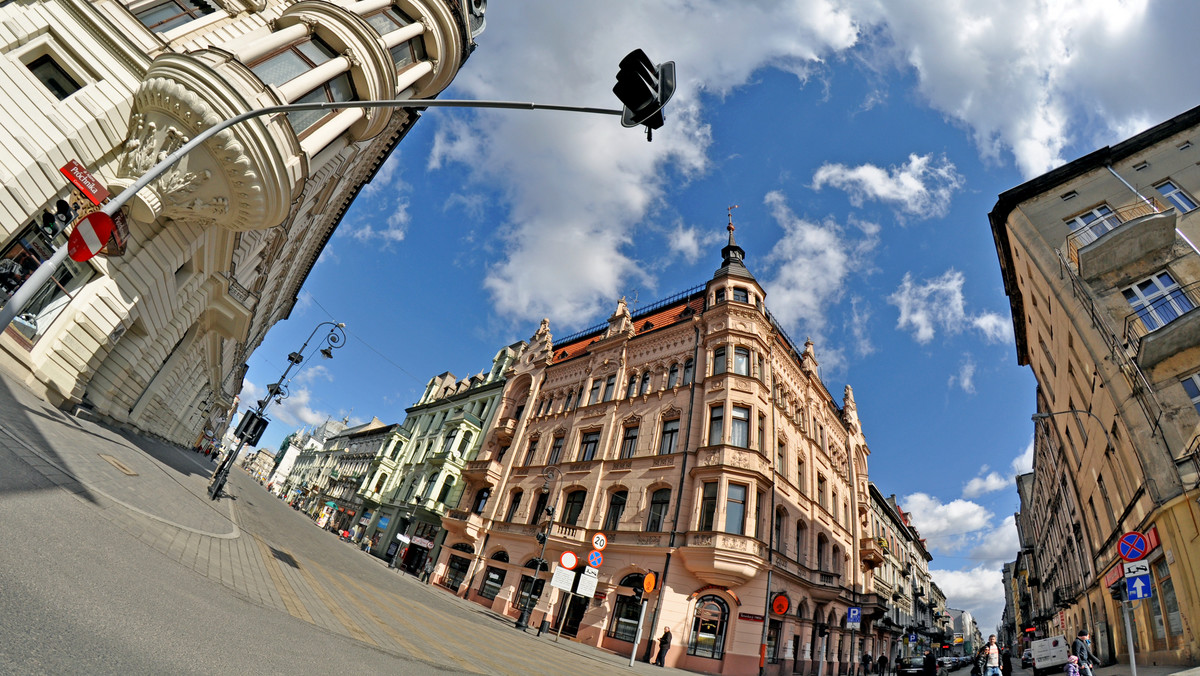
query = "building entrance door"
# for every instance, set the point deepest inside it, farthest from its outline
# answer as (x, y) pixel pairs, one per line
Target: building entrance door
(574, 615)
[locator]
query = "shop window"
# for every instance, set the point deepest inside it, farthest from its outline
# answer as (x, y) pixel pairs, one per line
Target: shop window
(456, 572)
(19, 259)
(709, 622)
(161, 17)
(1166, 597)
(493, 581)
(626, 612)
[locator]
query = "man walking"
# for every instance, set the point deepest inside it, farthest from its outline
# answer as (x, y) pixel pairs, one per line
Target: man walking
(883, 662)
(988, 658)
(1081, 647)
(664, 644)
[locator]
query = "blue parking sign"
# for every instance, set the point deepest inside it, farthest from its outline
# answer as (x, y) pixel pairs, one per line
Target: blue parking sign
(854, 614)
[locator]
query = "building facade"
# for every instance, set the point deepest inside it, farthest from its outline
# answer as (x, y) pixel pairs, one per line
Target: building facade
(1099, 261)
(700, 440)
(443, 432)
(214, 251)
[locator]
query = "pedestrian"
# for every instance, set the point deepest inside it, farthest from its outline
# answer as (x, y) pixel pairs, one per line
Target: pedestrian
(427, 571)
(1072, 666)
(1006, 661)
(868, 664)
(929, 664)
(988, 658)
(664, 644)
(883, 660)
(1081, 647)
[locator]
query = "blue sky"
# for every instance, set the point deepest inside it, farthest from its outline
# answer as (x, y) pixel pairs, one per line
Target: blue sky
(864, 144)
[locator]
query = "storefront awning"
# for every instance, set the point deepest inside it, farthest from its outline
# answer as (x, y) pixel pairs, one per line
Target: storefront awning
(331, 503)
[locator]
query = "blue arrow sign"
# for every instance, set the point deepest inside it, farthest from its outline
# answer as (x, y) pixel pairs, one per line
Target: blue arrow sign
(1139, 587)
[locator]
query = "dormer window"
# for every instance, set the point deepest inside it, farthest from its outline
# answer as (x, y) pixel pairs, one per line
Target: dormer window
(161, 17)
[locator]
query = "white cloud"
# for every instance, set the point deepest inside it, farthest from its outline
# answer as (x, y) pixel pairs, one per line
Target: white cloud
(986, 483)
(295, 411)
(938, 303)
(690, 242)
(998, 545)
(922, 187)
(979, 590)
(1023, 463)
(860, 317)
(965, 378)
(946, 525)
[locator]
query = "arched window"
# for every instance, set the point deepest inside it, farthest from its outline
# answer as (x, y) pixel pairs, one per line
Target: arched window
(659, 502)
(537, 564)
(673, 376)
(481, 498)
(616, 507)
(463, 547)
(801, 542)
(689, 368)
(822, 552)
(835, 565)
(709, 623)
(513, 504)
(573, 507)
(501, 556)
(570, 400)
(446, 487)
(718, 365)
(625, 613)
(631, 389)
(645, 382)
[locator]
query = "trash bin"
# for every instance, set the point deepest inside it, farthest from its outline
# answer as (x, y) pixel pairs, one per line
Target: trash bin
(544, 627)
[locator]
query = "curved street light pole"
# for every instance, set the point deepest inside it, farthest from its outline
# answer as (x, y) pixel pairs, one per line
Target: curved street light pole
(277, 391)
(550, 472)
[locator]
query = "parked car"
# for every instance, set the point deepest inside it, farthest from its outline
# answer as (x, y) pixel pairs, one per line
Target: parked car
(948, 663)
(1027, 659)
(914, 666)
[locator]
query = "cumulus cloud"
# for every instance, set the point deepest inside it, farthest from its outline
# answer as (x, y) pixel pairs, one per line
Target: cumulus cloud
(689, 242)
(998, 545)
(860, 317)
(922, 187)
(979, 590)
(1023, 463)
(938, 303)
(295, 411)
(946, 525)
(986, 483)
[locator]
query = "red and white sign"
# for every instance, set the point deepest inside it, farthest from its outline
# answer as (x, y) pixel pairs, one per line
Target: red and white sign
(90, 235)
(91, 188)
(568, 560)
(599, 542)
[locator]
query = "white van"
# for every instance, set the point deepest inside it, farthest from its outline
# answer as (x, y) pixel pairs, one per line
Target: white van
(1049, 655)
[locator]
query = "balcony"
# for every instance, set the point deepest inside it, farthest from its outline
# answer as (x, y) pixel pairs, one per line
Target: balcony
(1165, 327)
(826, 587)
(483, 472)
(464, 522)
(505, 428)
(571, 534)
(871, 552)
(1136, 231)
(722, 558)
(726, 457)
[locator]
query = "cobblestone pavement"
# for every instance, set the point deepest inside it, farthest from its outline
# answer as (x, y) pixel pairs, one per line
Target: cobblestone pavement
(260, 550)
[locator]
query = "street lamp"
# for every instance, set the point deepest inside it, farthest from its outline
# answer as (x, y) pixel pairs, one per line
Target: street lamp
(1044, 416)
(550, 473)
(276, 391)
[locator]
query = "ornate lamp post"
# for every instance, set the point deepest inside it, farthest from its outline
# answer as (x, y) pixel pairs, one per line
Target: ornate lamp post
(277, 391)
(551, 473)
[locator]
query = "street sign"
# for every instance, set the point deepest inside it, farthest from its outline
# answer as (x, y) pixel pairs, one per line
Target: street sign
(599, 542)
(563, 578)
(912, 638)
(587, 582)
(649, 581)
(1138, 587)
(595, 559)
(854, 618)
(90, 235)
(1133, 546)
(83, 179)
(780, 604)
(568, 560)
(1135, 568)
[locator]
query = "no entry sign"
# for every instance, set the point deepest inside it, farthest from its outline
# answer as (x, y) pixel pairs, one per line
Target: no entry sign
(90, 236)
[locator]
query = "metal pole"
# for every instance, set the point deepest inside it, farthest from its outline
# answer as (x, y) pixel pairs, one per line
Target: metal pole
(562, 614)
(821, 640)
(1127, 609)
(637, 636)
(46, 270)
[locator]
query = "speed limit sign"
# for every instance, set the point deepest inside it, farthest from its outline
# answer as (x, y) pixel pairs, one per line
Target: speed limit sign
(599, 542)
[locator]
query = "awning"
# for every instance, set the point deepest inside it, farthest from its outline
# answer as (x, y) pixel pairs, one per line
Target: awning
(331, 504)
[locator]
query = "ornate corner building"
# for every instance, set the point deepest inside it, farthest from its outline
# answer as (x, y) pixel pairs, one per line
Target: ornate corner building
(217, 248)
(1100, 265)
(701, 441)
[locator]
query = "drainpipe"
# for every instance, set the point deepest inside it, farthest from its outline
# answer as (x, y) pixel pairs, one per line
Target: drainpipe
(1149, 204)
(687, 436)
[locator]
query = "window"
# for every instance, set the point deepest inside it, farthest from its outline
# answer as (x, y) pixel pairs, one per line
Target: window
(610, 384)
(493, 580)
(629, 442)
(1166, 596)
(296, 60)
(780, 516)
(481, 499)
(689, 368)
(646, 382)
(659, 502)
(631, 389)
(445, 493)
(1191, 385)
(1157, 300)
(573, 507)
(822, 497)
(532, 452)
(387, 20)
(408, 52)
(670, 430)
(625, 615)
(741, 295)
(822, 552)
(1176, 196)
(781, 458)
(718, 360)
(595, 395)
(708, 628)
(163, 16)
(739, 428)
(741, 361)
(715, 419)
(570, 401)
(800, 475)
(762, 433)
(673, 376)
(539, 509)
(720, 296)
(708, 506)
(52, 75)
(735, 509)
(801, 541)
(616, 507)
(587, 446)
(513, 505)
(1094, 223)
(555, 451)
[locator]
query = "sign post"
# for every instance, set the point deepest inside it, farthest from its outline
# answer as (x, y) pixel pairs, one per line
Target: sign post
(637, 636)
(1128, 631)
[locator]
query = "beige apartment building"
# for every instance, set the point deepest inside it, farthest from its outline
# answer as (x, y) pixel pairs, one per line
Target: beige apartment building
(700, 440)
(216, 249)
(1100, 264)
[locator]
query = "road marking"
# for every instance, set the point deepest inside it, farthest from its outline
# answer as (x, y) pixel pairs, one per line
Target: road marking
(406, 644)
(350, 625)
(290, 601)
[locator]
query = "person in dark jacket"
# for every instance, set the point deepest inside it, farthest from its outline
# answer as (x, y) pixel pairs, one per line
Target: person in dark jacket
(1081, 647)
(1005, 661)
(929, 666)
(664, 644)
(883, 662)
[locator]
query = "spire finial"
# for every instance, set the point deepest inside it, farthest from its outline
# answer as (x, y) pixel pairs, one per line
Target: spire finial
(730, 227)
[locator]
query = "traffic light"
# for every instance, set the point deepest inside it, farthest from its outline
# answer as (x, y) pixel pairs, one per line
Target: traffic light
(251, 427)
(644, 90)
(822, 629)
(636, 580)
(54, 223)
(540, 537)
